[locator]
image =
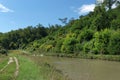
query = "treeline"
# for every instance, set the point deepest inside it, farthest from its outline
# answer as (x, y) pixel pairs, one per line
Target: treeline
(20, 38)
(95, 33)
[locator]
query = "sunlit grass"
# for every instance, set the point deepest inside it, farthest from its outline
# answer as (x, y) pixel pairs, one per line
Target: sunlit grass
(8, 72)
(28, 69)
(48, 71)
(3, 62)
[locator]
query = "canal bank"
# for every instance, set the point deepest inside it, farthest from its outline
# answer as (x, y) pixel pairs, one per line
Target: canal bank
(87, 56)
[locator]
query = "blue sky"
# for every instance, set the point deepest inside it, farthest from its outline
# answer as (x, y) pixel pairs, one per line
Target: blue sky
(15, 14)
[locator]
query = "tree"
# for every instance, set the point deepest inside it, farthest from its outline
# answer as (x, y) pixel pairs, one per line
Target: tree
(3, 51)
(85, 35)
(114, 45)
(58, 46)
(115, 24)
(63, 20)
(102, 40)
(69, 44)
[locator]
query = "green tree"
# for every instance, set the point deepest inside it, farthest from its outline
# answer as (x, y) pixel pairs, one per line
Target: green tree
(69, 45)
(85, 35)
(114, 45)
(115, 24)
(102, 41)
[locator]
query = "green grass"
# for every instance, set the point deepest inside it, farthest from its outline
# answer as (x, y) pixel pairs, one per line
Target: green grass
(48, 71)
(28, 69)
(3, 62)
(51, 73)
(88, 56)
(100, 57)
(8, 73)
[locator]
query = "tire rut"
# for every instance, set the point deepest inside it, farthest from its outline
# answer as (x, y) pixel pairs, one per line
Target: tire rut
(17, 67)
(11, 60)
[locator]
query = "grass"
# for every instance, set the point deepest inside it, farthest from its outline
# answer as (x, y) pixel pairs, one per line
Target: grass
(101, 57)
(28, 69)
(48, 71)
(3, 62)
(8, 72)
(87, 56)
(35, 68)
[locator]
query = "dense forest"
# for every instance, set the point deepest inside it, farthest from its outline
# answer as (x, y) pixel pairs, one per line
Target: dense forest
(97, 32)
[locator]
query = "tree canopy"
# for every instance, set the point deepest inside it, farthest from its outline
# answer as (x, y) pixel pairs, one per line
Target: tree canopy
(97, 33)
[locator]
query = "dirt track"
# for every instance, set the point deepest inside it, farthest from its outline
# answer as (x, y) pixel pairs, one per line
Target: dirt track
(17, 67)
(11, 60)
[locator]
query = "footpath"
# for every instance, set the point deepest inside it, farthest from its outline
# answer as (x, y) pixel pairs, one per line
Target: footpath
(11, 60)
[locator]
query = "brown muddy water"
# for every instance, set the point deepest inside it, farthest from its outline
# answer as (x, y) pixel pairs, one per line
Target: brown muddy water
(85, 69)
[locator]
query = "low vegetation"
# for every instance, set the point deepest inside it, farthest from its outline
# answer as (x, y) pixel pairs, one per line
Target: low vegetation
(30, 68)
(7, 71)
(48, 71)
(3, 51)
(3, 61)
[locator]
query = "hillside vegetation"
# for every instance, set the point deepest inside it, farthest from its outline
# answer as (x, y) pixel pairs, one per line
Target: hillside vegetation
(95, 33)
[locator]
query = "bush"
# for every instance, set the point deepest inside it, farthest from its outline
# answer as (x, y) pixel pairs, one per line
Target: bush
(114, 45)
(3, 51)
(102, 40)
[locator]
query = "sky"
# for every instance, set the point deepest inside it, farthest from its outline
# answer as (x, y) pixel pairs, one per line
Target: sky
(15, 14)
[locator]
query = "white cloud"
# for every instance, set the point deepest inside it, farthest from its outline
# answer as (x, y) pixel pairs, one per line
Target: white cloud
(4, 9)
(85, 9)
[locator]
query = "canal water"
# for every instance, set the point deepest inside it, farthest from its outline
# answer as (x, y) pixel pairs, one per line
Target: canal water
(85, 69)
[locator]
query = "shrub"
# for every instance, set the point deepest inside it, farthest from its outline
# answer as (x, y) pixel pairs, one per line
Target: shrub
(3, 51)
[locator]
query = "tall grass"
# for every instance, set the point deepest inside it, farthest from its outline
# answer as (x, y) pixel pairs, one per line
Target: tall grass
(28, 69)
(32, 68)
(3, 62)
(8, 72)
(48, 71)
(88, 56)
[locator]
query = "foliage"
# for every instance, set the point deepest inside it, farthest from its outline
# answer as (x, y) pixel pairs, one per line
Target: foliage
(96, 33)
(114, 45)
(19, 38)
(102, 40)
(3, 51)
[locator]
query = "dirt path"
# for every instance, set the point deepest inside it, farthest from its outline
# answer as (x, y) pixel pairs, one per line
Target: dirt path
(17, 67)
(9, 62)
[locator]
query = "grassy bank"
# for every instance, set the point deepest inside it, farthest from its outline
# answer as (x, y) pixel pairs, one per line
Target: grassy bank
(3, 61)
(7, 72)
(28, 70)
(34, 68)
(87, 56)
(48, 71)
(37, 68)
(101, 57)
